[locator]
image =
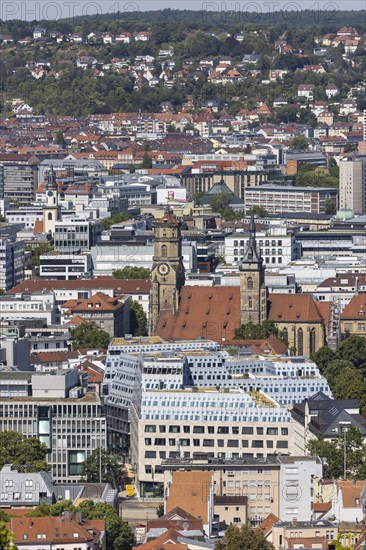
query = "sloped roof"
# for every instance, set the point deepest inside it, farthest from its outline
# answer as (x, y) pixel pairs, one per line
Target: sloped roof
(97, 302)
(266, 525)
(51, 529)
(214, 313)
(356, 308)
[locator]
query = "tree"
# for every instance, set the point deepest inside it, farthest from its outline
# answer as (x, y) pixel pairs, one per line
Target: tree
(132, 272)
(138, 319)
(110, 468)
(132, 168)
(315, 176)
(353, 349)
(60, 139)
(116, 218)
(160, 510)
(250, 331)
(119, 534)
(220, 202)
(243, 538)
(333, 452)
(159, 490)
(146, 161)
(300, 143)
(55, 510)
(25, 454)
(322, 357)
(38, 251)
(257, 211)
(330, 207)
(197, 198)
(6, 538)
(89, 336)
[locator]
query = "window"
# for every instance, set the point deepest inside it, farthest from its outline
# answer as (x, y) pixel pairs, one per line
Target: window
(250, 284)
(259, 431)
(285, 335)
(282, 445)
(150, 454)
(222, 430)
(233, 443)
(147, 440)
(160, 441)
(247, 430)
(300, 342)
(257, 444)
(237, 520)
(150, 429)
(162, 429)
(272, 431)
(284, 431)
(164, 251)
(174, 429)
(198, 430)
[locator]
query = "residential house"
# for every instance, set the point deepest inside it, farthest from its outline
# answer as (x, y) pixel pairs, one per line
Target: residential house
(306, 91)
(353, 317)
(109, 313)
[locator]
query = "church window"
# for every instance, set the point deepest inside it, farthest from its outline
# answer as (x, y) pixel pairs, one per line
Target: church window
(250, 284)
(50, 215)
(312, 340)
(300, 342)
(164, 251)
(250, 303)
(285, 335)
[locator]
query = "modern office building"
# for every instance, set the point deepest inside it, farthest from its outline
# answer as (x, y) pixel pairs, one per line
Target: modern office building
(60, 413)
(18, 177)
(228, 424)
(277, 199)
(352, 184)
(277, 246)
(11, 256)
(74, 235)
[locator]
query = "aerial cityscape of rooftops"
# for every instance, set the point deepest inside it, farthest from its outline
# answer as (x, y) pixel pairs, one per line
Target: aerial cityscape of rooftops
(183, 279)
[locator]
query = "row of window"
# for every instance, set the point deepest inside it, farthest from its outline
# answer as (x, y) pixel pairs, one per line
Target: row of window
(231, 443)
(247, 430)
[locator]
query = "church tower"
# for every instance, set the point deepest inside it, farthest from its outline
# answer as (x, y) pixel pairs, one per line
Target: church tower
(253, 292)
(167, 276)
(51, 209)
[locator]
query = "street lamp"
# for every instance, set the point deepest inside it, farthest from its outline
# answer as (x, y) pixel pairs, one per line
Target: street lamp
(344, 425)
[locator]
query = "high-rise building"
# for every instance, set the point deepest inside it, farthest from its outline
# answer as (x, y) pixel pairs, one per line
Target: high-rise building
(18, 177)
(352, 184)
(11, 256)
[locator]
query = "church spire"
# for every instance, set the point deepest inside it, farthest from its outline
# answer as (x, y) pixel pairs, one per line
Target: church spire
(51, 180)
(251, 254)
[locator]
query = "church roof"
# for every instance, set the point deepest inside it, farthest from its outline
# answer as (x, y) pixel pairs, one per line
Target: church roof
(168, 218)
(214, 313)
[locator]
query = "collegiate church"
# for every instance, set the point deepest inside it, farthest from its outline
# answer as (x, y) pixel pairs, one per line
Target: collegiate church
(181, 312)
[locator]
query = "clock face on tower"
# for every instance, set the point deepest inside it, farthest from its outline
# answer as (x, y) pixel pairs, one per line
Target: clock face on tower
(163, 269)
(50, 193)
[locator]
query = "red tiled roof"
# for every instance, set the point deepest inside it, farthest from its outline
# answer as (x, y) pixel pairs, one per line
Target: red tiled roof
(97, 302)
(55, 530)
(268, 523)
(120, 286)
(214, 313)
(356, 309)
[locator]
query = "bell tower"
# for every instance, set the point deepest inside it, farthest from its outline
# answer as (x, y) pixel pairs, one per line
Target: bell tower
(51, 209)
(253, 292)
(167, 275)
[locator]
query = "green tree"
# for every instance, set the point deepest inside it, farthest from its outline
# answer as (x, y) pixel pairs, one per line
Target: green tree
(106, 464)
(300, 143)
(330, 207)
(257, 211)
(333, 452)
(353, 349)
(6, 538)
(322, 357)
(159, 490)
(160, 510)
(89, 336)
(315, 176)
(243, 538)
(250, 331)
(55, 510)
(132, 272)
(146, 161)
(116, 218)
(132, 168)
(197, 198)
(60, 139)
(220, 202)
(119, 534)
(138, 319)
(25, 454)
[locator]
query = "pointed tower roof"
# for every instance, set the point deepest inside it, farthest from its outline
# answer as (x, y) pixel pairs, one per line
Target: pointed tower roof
(51, 180)
(251, 254)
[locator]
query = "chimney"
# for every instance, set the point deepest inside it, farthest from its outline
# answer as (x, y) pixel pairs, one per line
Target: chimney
(294, 522)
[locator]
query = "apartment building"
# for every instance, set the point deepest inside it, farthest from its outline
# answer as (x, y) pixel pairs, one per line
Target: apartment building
(230, 424)
(18, 177)
(61, 414)
(278, 199)
(353, 316)
(352, 184)
(302, 534)
(274, 485)
(277, 246)
(11, 256)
